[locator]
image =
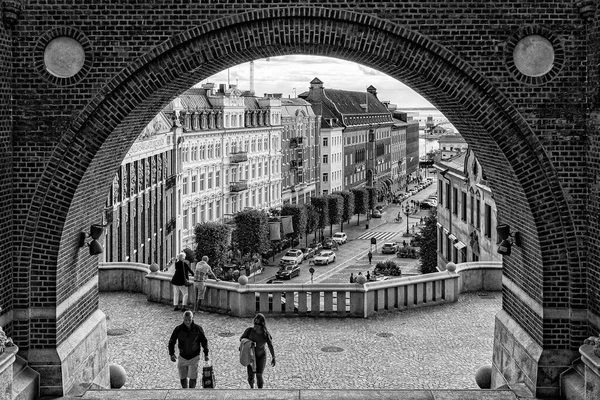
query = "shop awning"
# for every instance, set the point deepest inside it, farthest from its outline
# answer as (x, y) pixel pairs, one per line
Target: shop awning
(460, 245)
(451, 236)
(446, 231)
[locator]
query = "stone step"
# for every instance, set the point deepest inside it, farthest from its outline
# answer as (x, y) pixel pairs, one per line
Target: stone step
(304, 394)
(572, 382)
(26, 382)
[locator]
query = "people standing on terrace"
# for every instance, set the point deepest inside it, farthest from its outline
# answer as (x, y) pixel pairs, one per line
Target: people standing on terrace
(180, 281)
(200, 275)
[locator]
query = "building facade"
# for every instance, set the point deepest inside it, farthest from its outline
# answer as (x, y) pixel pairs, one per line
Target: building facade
(451, 145)
(466, 212)
(366, 126)
(300, 151)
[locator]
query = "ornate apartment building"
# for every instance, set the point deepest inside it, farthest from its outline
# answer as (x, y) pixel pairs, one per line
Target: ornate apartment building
(466, 212)
(224, 153)
(300, 151)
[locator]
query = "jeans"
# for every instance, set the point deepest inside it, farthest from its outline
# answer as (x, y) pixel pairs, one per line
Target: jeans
(184, 292)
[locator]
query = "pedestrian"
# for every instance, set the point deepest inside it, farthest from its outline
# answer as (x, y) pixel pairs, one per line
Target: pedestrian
(351, 277)
(368, 276)
(404, 243)
(200, 274)
(181, 281)
(261, 337)
(189, 337)
(370, 255)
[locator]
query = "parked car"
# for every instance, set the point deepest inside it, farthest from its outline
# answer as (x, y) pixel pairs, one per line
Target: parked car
(340, 237)
(427, 204)
(325, 257)
(389, 248)
(317, 246)
(292, 256)
(379, 208)
(308, 252)
(288, 271)
(376, 214)
(329, 243)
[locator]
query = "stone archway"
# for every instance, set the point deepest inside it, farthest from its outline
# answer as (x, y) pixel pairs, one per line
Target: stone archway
(82, 163)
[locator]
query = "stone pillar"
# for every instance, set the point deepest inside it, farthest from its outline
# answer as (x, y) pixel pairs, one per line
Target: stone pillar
(592, 372)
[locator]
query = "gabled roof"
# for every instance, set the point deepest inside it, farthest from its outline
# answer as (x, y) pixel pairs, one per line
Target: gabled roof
(192, 99)
(348, 102)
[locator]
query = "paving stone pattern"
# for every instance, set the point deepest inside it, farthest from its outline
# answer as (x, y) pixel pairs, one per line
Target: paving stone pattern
(437, 347)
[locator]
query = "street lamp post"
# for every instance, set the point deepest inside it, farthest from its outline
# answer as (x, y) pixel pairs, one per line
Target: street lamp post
(407, 213)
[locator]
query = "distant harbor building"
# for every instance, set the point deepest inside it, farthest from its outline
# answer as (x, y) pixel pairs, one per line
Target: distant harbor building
(451, 145)
(466, 212)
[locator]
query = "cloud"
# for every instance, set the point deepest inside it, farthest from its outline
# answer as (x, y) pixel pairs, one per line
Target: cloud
(292, 74)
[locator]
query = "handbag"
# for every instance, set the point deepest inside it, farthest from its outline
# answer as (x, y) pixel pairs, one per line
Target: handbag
(208, 376)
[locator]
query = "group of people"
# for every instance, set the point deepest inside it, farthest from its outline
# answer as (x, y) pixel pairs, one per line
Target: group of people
(181, 281)
(353, 278)
(191, 339)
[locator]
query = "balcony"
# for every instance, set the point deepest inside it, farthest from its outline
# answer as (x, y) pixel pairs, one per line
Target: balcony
(240, 186)
(296, 142)
(297, 164)
(238, 157)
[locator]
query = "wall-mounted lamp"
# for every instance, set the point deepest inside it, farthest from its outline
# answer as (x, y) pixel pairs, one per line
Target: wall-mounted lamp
(507, 239)
(95, 233)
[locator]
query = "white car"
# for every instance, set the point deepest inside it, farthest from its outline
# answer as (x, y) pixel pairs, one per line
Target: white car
(340, 237)
(324, 258)
(294, 256)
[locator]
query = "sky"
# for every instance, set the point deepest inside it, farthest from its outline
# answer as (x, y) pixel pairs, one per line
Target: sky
(291, 75)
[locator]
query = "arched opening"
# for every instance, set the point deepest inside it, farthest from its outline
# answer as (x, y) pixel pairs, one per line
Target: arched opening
(527, 189)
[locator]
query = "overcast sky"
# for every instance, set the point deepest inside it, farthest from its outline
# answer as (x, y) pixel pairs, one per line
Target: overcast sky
(291, 75)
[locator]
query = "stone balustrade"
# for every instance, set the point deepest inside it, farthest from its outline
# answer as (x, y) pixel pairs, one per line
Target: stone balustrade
(482, 275)
(290, 300)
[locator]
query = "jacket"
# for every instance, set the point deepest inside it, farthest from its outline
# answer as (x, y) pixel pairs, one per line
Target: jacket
(189, 341)
(182, 269)
(247, 353)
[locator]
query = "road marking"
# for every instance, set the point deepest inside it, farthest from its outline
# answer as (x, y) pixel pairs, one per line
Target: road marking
(380, 236)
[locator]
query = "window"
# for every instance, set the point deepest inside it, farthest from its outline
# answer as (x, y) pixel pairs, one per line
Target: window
(266, 168)
(488, 220)
(449, 248)
(478, 225)
(194, 183)
(455, 201)
(202, 178)
(194, 216)
(448, 195)
(472, 219)
(185, 219)
(325, 142)
(218, 179)
(185, 185)
(325, 158)
(441, 191)
(463, 204)
(325, 177)
(210, 180)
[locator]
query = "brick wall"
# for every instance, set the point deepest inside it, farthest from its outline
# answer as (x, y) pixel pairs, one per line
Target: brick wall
(70, 135)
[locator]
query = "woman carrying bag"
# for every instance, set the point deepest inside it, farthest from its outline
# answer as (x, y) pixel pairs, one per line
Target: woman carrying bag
(260, 336)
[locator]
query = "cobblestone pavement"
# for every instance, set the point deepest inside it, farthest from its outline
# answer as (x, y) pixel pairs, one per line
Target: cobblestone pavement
(438, 347)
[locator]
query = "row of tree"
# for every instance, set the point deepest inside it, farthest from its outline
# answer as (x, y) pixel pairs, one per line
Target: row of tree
(251, 236)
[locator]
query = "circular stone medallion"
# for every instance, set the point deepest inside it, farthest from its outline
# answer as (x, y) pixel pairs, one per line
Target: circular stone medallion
(116, 332)
(64, 57)
(385, 334)
(534, 55)
(226, 334)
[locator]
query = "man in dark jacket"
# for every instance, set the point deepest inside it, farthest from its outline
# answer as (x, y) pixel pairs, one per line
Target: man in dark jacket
(190, 338)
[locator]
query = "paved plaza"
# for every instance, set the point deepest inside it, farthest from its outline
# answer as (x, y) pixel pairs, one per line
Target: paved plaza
(438, 347)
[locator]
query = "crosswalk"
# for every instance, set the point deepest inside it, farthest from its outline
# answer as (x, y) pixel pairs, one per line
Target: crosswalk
(380, 236)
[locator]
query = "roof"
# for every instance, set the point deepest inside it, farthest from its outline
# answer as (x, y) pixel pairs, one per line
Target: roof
(192, 99)
(457, 162)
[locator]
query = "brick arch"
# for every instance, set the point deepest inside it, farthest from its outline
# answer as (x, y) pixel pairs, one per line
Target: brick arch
(110, 122)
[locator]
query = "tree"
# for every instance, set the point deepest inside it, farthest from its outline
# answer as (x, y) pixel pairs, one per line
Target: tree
(252, 233)
(361, 202)
(335, 204)
(348, 206)
(212, 240)
(321, 206)
(312, 220)
(298, 214)
(427, 240)
(372, 197)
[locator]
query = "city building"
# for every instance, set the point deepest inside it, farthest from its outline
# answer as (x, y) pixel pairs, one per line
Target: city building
(300, 151)
(366, 128)
(451, 145)
(466, 212)
(230, 155)
(139, 207)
